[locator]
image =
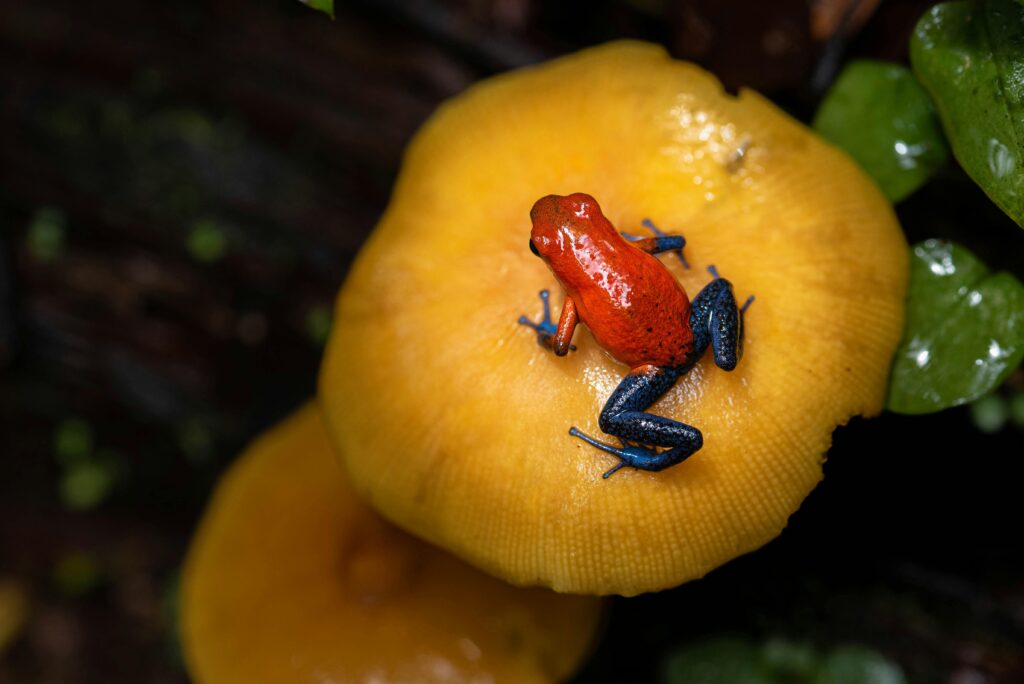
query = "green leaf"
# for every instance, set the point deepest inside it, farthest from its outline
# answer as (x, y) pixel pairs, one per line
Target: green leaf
(717, 661)
(857, 665)
(325, 6)
(970, 58)
(964, 332)
(878, 113)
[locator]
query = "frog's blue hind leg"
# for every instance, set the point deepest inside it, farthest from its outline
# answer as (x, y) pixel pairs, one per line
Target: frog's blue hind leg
(717, 322)
(623, 416)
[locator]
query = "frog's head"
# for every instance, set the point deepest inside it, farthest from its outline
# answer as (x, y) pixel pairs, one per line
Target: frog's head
(561, 224)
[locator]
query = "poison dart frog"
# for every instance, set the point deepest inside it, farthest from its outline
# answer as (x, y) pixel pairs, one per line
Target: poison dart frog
(637, 312)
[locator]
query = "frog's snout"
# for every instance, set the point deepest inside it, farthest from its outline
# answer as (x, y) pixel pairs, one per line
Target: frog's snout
(533, 248)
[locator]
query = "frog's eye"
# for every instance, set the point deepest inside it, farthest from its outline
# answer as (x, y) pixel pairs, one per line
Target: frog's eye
(533, 248)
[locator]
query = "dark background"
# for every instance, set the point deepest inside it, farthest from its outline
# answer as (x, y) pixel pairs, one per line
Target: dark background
(182, 187)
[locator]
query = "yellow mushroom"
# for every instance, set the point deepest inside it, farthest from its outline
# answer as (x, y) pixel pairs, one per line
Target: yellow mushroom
(291, 579)
(453, 422)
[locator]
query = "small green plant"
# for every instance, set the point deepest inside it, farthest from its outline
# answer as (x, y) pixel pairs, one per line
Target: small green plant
(728, 660)
(964, 331)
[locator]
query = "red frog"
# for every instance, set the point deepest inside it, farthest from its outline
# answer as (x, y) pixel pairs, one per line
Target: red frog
(640, 314)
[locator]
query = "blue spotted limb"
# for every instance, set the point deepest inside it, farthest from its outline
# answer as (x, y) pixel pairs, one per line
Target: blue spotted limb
(623, 416)
(651, 442)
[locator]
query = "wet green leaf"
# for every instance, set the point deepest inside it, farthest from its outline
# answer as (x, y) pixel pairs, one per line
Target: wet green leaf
(880, 115)
(717, 661)
(964, 332)
(857, 665)
(970, 58)
(325, 6)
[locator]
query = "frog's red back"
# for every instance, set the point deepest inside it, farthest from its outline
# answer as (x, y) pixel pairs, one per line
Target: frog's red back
(633, 305)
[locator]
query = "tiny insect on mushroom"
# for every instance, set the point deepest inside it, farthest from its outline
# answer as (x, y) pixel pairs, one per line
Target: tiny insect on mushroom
(453, 422)
(291, 579)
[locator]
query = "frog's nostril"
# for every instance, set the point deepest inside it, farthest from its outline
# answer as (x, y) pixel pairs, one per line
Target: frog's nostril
(533, 248)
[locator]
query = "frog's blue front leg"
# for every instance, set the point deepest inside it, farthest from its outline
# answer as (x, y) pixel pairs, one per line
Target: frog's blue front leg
(624, 417)
(545, 327)
(717, 322)
(547, 331)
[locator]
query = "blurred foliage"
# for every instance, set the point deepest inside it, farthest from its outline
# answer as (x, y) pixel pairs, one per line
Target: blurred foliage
(969, 56)
(990, 413)
(76, 574)
(46, 234)
(857, 665)
(87, 474)
(318, 324)
(206, 241)
(964, 332)
(879, 115)
(729, 660)
(73, 441)
(717, 661)
(325, 6)
(1017, 409)
(169, 617)
(195, 439)
(14, 611)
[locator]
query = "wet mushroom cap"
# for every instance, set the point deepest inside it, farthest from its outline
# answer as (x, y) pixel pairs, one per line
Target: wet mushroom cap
(454, 422)
(291, 579)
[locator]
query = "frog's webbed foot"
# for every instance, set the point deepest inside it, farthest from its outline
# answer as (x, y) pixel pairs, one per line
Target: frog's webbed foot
(661, 242)
(633, 456)
(545, 327)
(717, 322)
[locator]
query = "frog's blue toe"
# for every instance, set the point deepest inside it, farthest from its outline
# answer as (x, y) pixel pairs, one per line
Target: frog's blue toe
(545, 327)
(638, 457)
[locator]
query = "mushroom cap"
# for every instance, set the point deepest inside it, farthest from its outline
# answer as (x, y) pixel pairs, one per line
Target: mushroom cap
(453, 421)
(291, 579)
